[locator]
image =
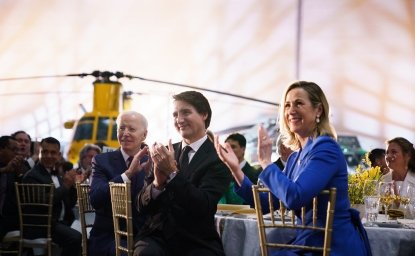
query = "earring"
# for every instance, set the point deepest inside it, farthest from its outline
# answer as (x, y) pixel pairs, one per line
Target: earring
(318, 119)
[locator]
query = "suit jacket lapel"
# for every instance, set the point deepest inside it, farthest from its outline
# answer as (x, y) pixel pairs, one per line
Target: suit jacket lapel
(118, 162)
(177, 150)
(199, 157)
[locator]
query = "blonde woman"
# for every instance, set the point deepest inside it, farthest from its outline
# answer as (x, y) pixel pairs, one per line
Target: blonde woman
(317, 163)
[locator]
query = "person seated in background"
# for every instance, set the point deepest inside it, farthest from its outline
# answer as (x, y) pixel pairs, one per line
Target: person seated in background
(128, 163)
(377, 158)
(44, 172)
(316, 164)
(87, 153)
(10, 162)
(26, 146)
(238, 143)
(400, 159)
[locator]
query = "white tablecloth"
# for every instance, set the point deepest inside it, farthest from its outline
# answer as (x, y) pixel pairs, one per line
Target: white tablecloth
(240, 237)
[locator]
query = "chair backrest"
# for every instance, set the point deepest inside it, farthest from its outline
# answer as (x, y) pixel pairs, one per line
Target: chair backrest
(122, 217)
(86, 212)
(281, 217)
(35, 203)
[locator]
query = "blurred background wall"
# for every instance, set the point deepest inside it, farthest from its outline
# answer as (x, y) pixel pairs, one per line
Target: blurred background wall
(361, 52)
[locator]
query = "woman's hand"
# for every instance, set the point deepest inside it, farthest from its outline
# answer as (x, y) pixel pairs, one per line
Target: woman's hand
(264, 147)
(227, 155)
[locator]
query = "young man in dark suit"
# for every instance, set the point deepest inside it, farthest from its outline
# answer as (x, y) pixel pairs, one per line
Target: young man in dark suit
(117, 166)
(63, 201)
(181, 197)
(238, 144)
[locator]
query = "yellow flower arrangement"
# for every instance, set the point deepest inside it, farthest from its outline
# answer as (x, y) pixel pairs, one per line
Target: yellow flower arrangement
(364, 172)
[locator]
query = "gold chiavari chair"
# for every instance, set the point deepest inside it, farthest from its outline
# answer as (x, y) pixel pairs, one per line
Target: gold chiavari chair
(122, 214)
(283, 218)
(86, 214)
(35, 203)
(6, 245)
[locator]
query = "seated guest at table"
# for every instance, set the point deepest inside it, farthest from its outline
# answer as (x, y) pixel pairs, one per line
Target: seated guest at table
(377, 158)
(400, 159)
(181, 195)
(10, 164)
(28, 149)
(44, 172)
(118, 166)
(238, 143)
(317, 163)
(87, 153)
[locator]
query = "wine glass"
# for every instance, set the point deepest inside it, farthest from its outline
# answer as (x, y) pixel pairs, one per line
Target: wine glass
(404, 192)
(411, 194)
(387, 195)
(371, 201)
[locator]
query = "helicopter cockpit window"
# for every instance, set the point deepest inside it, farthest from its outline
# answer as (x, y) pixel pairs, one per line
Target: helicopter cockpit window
(114, 129)
(103, 123)
(84, 129)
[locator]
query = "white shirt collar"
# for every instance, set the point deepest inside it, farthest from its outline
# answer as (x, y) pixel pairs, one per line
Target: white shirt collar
(242, 164)
(124, 155)
(195, 145)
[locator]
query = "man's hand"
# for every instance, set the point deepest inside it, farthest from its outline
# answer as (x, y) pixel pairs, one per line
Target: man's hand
(136, 166)
(69, 178)
(163, 158)
(15, 165)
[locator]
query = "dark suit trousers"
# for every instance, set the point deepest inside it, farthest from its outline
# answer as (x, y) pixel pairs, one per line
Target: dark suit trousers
(156, 246)
(69, 239)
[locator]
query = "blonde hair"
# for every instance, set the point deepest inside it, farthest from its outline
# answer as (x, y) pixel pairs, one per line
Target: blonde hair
(317, 97)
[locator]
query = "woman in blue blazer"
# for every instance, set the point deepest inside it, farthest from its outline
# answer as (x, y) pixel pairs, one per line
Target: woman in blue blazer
(317, 163)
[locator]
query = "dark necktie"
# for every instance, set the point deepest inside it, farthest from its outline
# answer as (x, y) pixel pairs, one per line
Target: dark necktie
(129, 161)
(184, 158)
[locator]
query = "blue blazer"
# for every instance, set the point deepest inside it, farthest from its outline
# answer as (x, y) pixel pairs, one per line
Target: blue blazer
(108, 167)
(319, 165)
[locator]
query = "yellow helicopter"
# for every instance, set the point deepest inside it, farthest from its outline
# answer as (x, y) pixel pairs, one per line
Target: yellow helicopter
(99, 126)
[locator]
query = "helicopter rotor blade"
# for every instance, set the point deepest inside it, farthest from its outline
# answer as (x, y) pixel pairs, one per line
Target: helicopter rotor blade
(32, 77)
(106, 75)
(203, 89)
(95, 73)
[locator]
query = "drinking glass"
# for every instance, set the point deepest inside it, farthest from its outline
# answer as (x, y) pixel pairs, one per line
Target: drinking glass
(411, 194)
(387, 195)
(371, 201)
(404, 192)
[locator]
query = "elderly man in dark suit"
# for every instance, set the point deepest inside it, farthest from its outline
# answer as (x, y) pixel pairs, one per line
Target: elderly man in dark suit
(63, 200)
(181, 197)
(125, 164)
